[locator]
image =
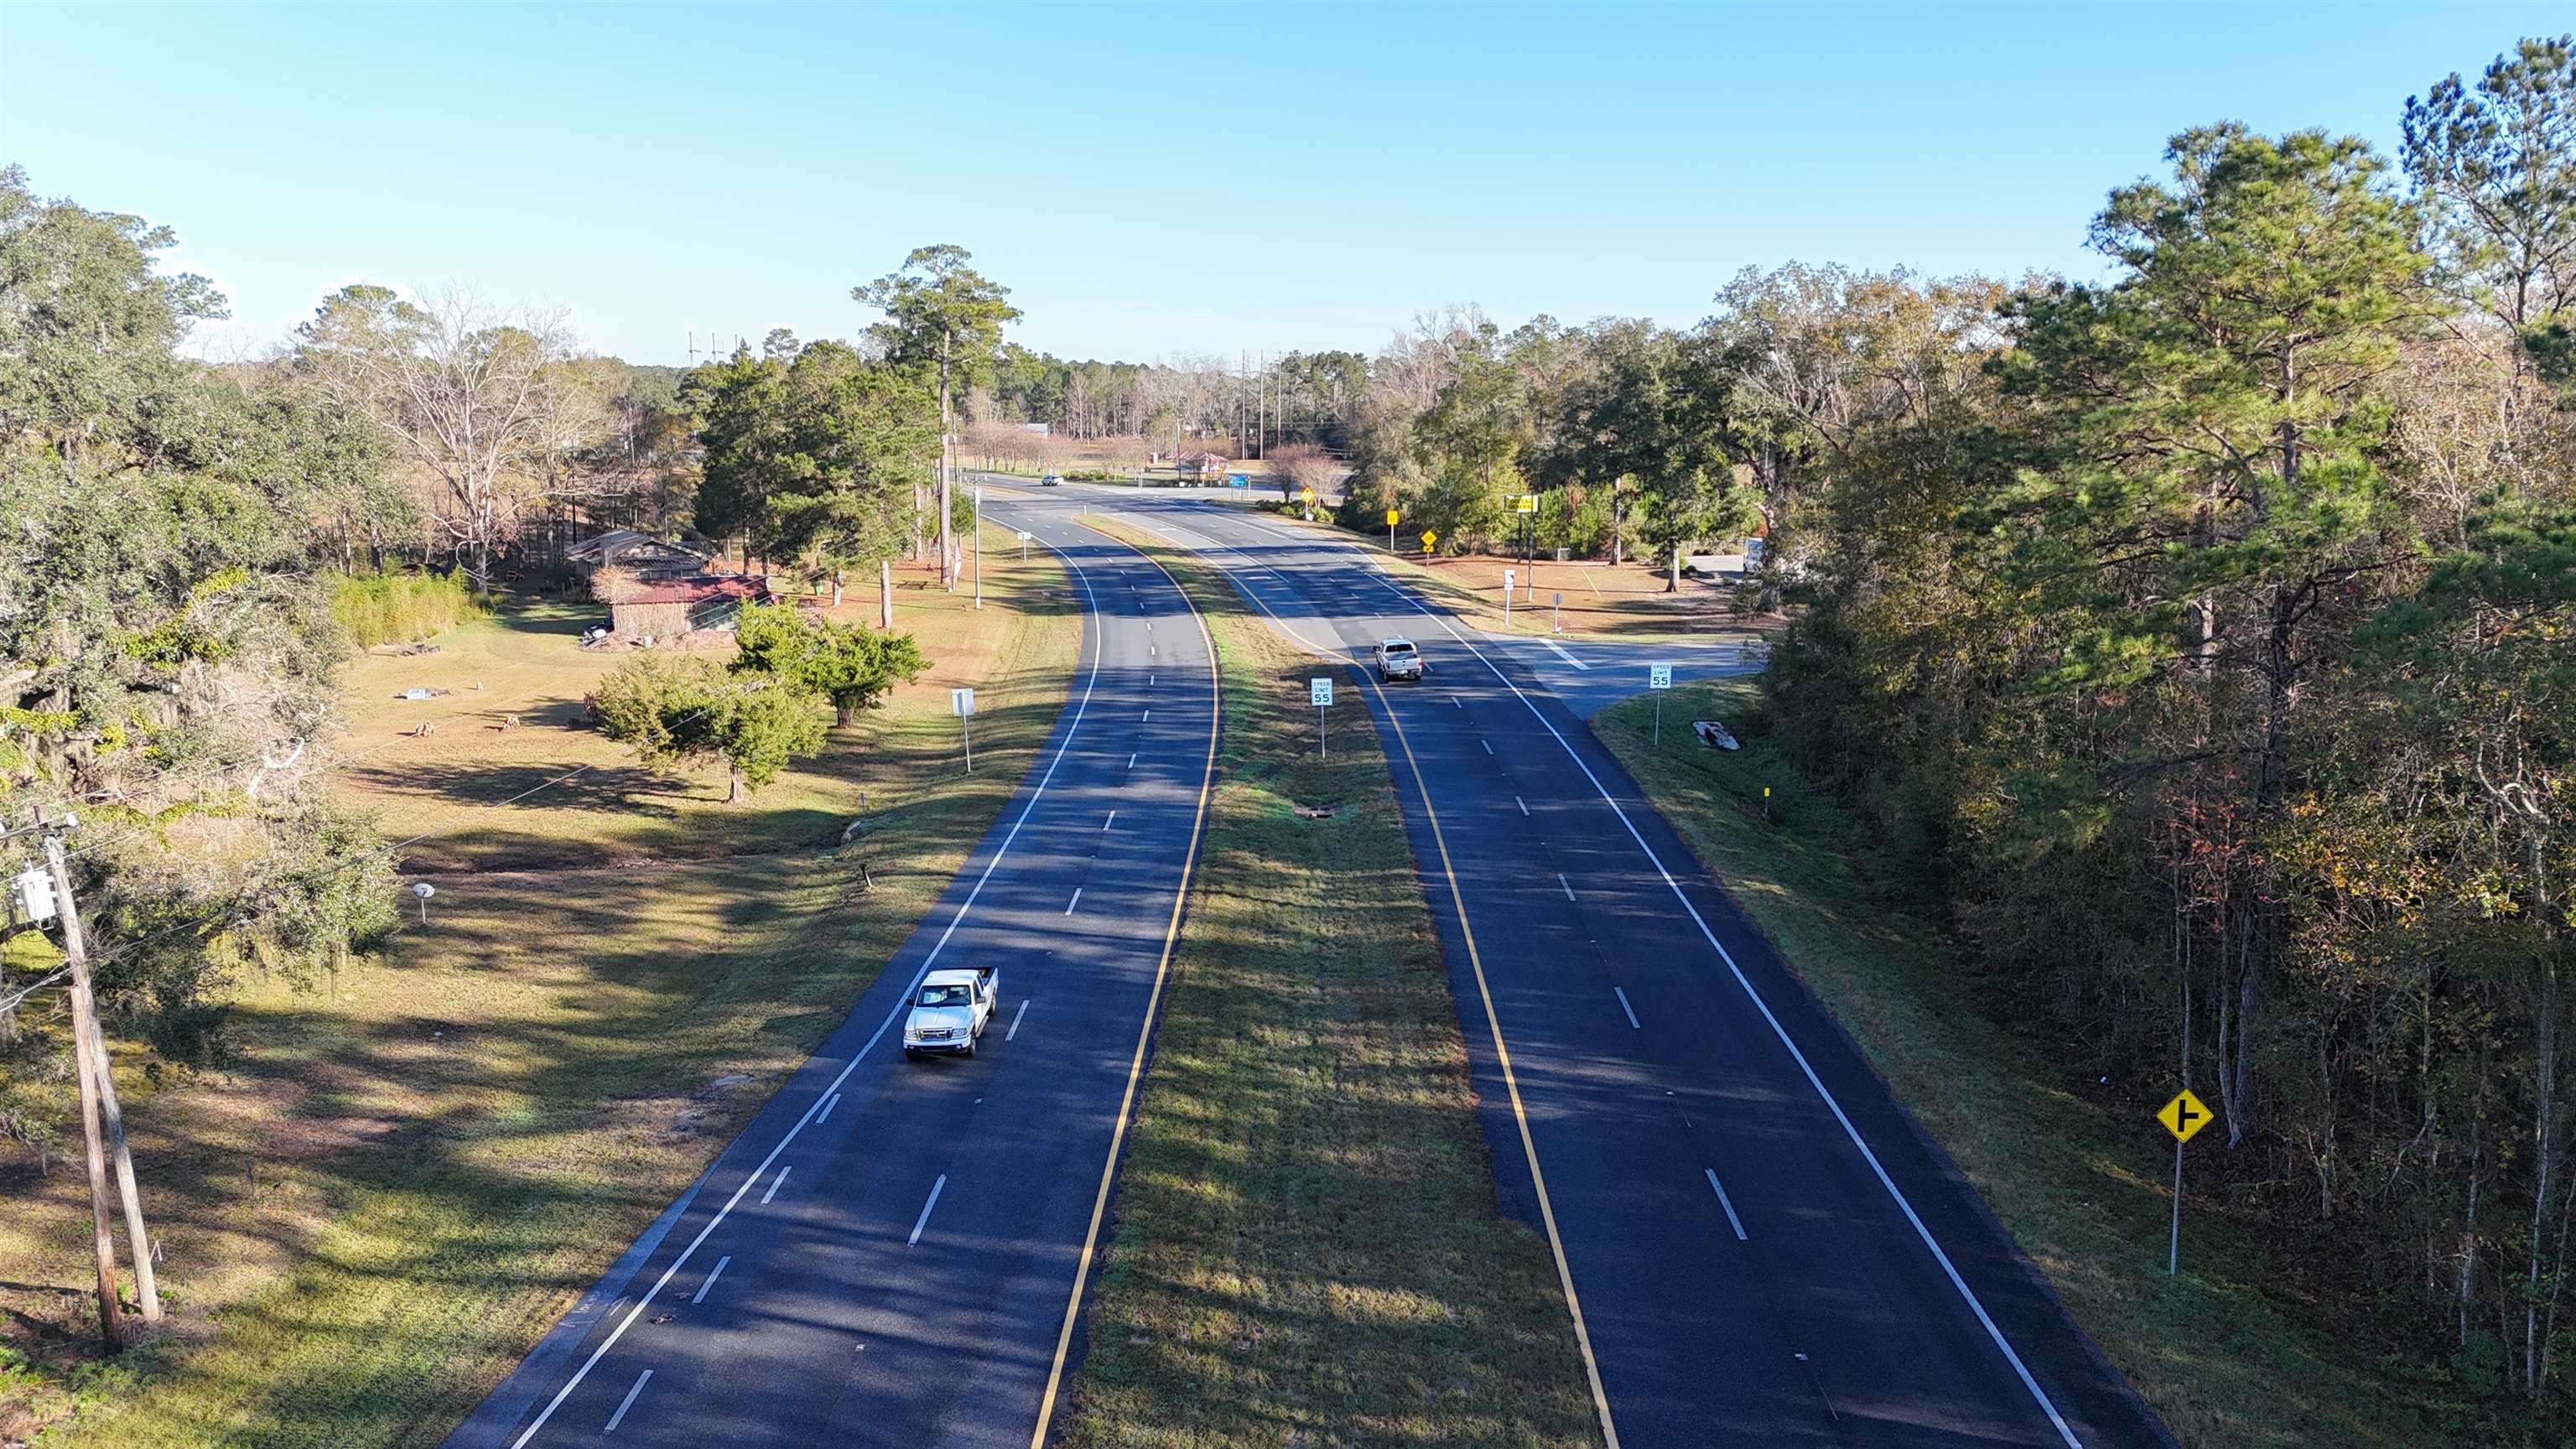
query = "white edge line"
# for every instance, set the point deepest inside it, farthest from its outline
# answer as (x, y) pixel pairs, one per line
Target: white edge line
(712, 1275)
(1563, 654)
(1975, 1306)
(903, 1003)
(923, 1221)
(1732, 1220)
(627, 1403)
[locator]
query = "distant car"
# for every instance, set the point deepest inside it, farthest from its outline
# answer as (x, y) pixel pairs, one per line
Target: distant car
(1398, 659)
(1051, 480)
(951, 1011)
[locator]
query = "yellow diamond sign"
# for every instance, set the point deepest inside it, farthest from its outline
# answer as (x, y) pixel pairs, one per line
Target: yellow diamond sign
(2184, 1116)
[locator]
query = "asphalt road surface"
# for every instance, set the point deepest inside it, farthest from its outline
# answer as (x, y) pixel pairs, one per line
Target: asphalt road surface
(889, 1253)
(1758, 1245)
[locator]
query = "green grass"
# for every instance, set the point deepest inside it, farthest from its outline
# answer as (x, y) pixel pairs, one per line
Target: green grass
(1308, 1250)
(412, 1168)
(2231, 1352)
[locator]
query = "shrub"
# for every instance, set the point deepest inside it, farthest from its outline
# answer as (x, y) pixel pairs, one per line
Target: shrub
(374, 609)
(676, 709)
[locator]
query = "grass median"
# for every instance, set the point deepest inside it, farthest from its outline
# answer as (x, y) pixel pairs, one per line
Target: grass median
(411, 1168)
(1307, 1249)
(2229, 1352)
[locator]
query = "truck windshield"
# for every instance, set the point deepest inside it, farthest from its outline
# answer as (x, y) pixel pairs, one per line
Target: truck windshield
(947, 996)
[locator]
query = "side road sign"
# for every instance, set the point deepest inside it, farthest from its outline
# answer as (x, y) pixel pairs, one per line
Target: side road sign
(1319, 692)
(1659, 676)
(2184, 1116)
(961, 702)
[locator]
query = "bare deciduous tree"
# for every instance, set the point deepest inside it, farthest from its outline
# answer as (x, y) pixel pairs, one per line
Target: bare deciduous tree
(1303, 465)
(487, 403)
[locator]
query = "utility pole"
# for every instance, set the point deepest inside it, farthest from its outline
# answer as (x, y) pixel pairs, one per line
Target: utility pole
(2173, 1234)
(101, 1118)
(979, 543)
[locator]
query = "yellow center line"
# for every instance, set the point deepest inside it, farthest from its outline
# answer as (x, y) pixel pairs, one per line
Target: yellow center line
(1145, 1031)
(1503, 1056)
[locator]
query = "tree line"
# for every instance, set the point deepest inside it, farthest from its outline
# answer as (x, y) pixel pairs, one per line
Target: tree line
(1246, 408)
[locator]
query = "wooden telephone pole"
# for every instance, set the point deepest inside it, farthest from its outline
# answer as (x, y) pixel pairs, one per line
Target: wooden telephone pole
(102, 1120)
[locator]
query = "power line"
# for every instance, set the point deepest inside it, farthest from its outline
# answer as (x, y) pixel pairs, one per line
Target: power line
(386, 851)
(340, 760)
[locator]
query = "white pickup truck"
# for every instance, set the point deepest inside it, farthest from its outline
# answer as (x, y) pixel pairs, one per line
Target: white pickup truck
(951, 1011)
(1398, 659)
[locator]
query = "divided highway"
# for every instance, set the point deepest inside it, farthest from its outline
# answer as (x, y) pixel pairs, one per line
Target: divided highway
(1756, 1243)
(891, 1252)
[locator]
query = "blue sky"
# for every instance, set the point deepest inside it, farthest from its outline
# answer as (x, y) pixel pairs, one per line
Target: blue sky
(1160, 180)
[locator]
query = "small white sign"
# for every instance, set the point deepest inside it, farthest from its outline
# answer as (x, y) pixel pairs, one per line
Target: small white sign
(961, 702)
(1319, 692)
(1024, 535)
(1659, 676)
(1507, 581)
(423, 889)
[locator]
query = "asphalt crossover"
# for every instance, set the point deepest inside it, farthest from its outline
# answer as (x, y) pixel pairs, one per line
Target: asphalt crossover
(893, 1252)
(1756, 1243)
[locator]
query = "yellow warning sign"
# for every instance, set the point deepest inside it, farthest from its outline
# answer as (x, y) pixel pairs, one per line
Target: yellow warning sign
(1392, 518)
(2183, 1116)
